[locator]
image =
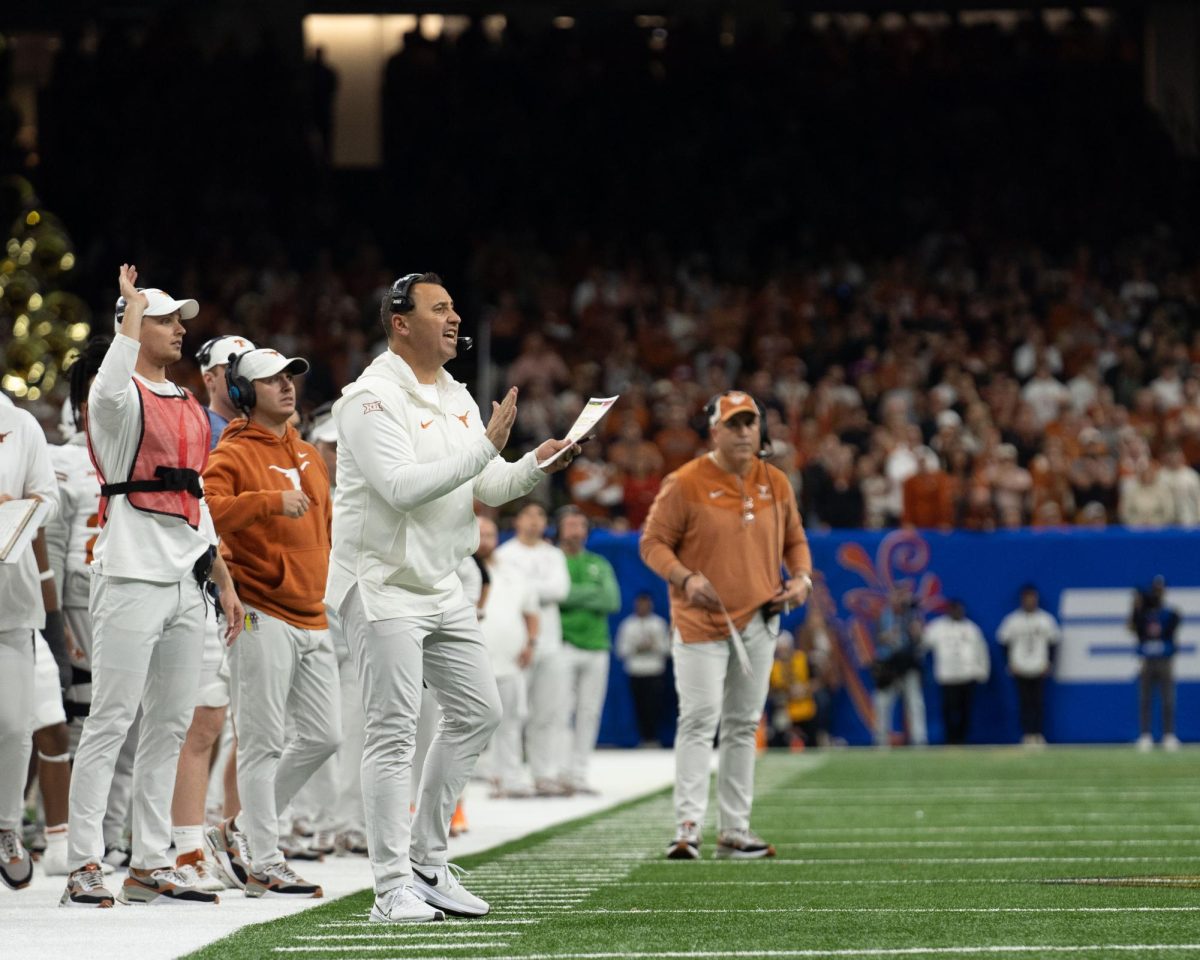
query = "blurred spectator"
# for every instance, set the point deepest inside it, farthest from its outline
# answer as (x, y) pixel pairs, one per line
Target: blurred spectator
(928, 495)
(1146, 499)
(791, 697)
(960, 660)
(1155, 626)
(643, 645)
(1184, 484)
(1028, 633)
(897, 669)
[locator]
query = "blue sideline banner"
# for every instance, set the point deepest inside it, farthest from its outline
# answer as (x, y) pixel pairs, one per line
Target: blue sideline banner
(1086, 579)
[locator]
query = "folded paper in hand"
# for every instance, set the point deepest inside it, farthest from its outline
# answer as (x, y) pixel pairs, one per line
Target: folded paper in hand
(19, 522)
(593, 412)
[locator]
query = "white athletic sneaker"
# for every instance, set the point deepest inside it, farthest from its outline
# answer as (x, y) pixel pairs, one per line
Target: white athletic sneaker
(353, 842)
(686, 845)
(437, 885)
(402, 905)
(54, 860)
(1145, 743)
(324, 842)
(200, 872)
(16, 865)
(1170, 742)
(743, 844)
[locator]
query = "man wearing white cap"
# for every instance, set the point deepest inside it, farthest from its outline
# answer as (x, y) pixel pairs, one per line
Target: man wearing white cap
(213, 357)
(155, 552)
(269, 494)
(212, 698)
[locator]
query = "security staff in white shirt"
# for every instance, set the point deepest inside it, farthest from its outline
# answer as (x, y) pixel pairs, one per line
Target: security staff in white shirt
(412, 456)
(1028, 633)
(149, 440)
(25, 473)
(960, 660)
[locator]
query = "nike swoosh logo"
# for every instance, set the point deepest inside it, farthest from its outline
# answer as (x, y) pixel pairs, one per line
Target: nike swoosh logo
(426, 424)
(713, 494)
(431, 881)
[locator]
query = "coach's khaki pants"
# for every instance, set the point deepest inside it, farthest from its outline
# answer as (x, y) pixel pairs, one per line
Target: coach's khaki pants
(447, 650)
(16, 721)
(147, 644)
(280, 673)
(714, 692)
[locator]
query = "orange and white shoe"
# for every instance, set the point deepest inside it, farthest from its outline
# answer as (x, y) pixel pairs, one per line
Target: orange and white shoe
(201, 872)
(278, 880)
(162, 886)
(458, 822)
(85, 888)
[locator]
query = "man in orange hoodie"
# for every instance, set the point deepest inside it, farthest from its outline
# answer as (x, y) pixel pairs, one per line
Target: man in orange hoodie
(720, 532)
(268, 491)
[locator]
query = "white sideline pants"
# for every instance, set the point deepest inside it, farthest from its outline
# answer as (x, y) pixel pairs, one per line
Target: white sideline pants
(280, 673)
(393, 656)
(16, 721)
(504, 754)
(546, 728)
(909, 687)
(587, 685)
(147, 644)
(714, 692)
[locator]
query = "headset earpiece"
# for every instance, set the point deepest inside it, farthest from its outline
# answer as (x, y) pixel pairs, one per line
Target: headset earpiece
(240, 390)
(764, 441)
(399, 297)
(204, 354)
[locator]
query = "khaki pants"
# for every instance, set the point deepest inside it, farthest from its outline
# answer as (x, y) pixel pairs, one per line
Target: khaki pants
(447, 650)
(714, 692)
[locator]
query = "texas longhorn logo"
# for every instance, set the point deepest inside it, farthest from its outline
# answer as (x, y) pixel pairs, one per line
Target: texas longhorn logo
(462, 417)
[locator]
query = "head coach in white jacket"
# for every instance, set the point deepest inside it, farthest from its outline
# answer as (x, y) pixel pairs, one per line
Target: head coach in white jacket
(412, 457)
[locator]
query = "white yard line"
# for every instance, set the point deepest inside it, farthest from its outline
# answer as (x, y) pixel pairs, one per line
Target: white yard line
(35, 927)
(996, 949)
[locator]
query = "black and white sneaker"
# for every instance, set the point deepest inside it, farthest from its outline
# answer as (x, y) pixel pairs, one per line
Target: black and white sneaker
(686, 845)
(438, 886)
(16, 865)
(743, 844)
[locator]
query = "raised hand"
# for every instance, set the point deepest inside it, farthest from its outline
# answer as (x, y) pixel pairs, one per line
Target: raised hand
(127, 281)
(504, 415)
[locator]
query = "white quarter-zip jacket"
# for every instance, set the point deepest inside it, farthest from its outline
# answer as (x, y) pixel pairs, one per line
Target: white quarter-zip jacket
(409, 468)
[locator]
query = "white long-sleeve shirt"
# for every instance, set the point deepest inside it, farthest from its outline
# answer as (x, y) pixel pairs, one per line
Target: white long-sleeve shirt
(545, 566)
(1028, 637)
(960, 654)
(510, 597)
(134, 543)
(644, 643)
(411, 460)
(70, 536)
(25, 471)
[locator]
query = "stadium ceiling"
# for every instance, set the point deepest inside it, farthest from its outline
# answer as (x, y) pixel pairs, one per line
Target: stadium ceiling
(55, 14)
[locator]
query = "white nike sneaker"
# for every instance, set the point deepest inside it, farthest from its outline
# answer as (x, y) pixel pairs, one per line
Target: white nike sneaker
(402, 905)
(437, 885)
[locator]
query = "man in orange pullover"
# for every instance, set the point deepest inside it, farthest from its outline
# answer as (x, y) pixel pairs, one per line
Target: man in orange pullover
(268, 491)
(719, 532)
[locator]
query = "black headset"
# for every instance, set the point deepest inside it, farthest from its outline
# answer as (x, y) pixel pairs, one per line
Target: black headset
(204, 354)
(764, 441)
(240, 390)
(399, 300)
(119, 313)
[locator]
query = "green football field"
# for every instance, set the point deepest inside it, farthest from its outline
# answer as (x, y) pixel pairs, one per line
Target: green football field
(1088, 853)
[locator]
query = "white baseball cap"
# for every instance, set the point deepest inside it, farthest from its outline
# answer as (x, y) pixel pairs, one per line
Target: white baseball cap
(162, 303)
(324, 430)
(263, 362)
(218, 351)
(158, 304)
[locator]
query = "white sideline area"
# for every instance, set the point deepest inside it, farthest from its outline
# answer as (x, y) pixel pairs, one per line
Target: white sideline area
(34, 927)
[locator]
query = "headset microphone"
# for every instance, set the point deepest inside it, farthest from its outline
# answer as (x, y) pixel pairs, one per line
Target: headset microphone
(465, 342)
